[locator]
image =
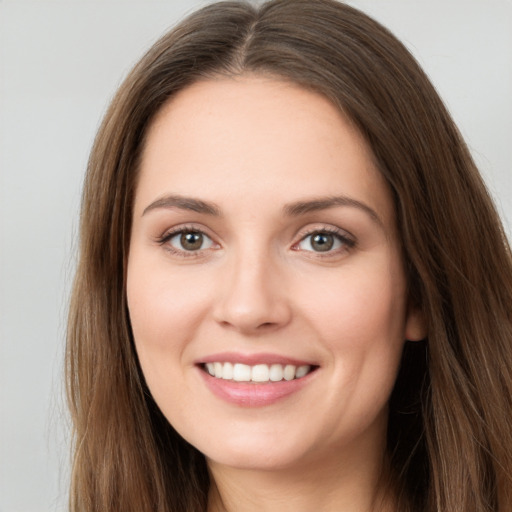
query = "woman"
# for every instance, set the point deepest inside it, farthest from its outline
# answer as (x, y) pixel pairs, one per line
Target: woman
(276, 201)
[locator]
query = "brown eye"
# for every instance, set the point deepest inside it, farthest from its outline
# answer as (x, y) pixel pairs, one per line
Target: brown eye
(191, 241)
(326, 242)
(322, 242)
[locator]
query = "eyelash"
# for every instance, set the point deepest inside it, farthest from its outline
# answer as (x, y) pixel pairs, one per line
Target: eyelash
(346, 240)
(169, 235)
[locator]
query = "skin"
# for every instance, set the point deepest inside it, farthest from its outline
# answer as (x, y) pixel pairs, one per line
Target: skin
(253, 145)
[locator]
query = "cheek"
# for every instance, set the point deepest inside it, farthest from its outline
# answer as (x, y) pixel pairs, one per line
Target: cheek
(361, 324)
(165, 307)
(166, 310)
(367, 303)
(360, 318)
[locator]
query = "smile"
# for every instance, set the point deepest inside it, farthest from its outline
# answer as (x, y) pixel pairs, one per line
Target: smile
(259, 373)
(255, 380)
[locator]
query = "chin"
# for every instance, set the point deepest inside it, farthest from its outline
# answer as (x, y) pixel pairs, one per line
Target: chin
(255, 460)
(253, 451)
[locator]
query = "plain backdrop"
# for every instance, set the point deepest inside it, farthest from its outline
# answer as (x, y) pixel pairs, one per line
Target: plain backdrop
(60, 63)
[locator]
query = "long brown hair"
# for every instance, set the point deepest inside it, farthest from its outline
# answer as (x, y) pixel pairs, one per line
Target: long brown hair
(450, 426)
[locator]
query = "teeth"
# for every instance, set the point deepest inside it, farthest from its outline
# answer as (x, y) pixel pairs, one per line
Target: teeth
(227, 371)
(290, 372)
(276, 372)
(302, 371)
(257, 373)
(241, 373)
(260, 373)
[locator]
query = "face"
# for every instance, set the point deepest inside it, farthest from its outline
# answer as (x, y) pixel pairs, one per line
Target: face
(265, 285)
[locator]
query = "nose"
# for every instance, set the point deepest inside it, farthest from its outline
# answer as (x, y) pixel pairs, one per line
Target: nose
(252, 297)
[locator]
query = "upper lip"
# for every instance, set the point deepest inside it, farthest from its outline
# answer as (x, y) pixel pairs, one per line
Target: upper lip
(253, 359)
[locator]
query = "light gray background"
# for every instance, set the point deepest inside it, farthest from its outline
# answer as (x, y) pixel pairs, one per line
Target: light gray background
(60, 62)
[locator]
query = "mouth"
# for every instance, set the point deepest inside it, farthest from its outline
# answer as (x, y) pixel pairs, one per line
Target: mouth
(258, 373)
(255, 380)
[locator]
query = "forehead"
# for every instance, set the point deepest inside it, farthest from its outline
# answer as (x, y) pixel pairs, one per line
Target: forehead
(257, 137)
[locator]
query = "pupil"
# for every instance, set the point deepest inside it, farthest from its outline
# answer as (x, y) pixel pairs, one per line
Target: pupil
(191, 241)
(322, 242)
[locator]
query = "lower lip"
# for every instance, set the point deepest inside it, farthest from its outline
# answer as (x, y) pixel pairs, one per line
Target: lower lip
(251, 394)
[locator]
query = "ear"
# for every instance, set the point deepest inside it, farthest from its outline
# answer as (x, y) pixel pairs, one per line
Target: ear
(415, 325)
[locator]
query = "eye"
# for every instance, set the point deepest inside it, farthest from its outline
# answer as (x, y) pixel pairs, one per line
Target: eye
(324, 241)
(188, 241)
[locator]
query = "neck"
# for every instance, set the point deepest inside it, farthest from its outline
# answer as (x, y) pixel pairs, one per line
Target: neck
(348, 484)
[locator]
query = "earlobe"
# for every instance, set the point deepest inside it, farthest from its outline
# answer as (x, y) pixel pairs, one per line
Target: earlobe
(415, 325)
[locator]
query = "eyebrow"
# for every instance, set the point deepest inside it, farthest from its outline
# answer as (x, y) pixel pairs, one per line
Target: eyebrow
(184, 203)
(295, 209)
(323, 203)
